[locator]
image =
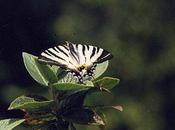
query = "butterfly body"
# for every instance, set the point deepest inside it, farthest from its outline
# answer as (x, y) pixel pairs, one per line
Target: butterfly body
(78, 59)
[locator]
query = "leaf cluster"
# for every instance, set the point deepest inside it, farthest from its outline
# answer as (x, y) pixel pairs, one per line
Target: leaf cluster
(66, 105)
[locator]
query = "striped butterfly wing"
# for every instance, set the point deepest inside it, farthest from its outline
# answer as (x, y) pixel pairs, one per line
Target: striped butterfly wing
(96, 55)
(87, 54)
(72, 56)
(59, 56)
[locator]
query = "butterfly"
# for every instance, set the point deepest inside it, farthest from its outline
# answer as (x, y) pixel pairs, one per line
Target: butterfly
(79, 59)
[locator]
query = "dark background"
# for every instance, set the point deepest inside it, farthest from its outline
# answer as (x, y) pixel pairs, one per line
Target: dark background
(140, 35)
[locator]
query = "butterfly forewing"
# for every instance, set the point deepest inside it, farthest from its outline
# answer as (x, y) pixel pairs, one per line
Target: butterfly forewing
(58, 55)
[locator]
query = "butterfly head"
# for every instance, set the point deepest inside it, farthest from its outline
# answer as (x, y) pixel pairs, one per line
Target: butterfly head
(85, 70)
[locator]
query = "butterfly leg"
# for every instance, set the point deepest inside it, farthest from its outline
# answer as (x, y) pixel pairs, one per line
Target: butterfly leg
(78, 76)
(90, 72)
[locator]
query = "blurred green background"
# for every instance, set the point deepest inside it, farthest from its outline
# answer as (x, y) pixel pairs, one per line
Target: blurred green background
(140, 35)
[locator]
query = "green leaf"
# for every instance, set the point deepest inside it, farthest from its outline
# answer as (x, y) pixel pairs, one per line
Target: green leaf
(83, 116)
(62, 75)
(30, 104)
(9, 124)
(43, 74)
(69, 86)
(100, 69)
(65, 77)
(69, 78)
(106, 82)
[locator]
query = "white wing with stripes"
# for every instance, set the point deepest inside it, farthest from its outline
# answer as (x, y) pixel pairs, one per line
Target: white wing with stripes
(73, 56)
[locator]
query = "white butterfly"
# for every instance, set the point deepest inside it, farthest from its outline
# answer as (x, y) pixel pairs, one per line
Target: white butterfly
(78, 59)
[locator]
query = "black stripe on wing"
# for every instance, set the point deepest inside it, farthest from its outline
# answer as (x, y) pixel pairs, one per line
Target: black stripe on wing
(104, 56)
(84, 50)
(62, 51)
(45, 60)
(45, 57)
(48, 52)
(94, 51)
(73, 51)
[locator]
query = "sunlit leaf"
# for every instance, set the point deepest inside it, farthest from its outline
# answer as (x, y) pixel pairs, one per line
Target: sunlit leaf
(65, 77)
(30, 104)
(106, 82)
(120, 108)
(100, 69)
(43, 74)
(9, 124)
(69, 86)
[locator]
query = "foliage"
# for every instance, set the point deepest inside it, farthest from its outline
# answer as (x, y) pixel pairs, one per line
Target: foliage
(66, 107)
(140, 35)
(9, 124)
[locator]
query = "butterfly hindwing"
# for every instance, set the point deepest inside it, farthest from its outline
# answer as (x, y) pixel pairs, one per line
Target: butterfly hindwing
(105, 55)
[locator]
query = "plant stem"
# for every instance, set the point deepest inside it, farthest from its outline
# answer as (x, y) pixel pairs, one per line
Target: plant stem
(61, 125)
(51, 92)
